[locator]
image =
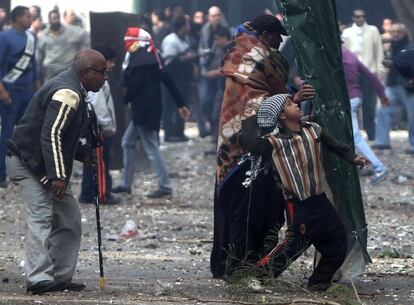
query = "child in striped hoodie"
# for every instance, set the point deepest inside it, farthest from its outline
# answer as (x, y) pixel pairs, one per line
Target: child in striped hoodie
(295, 148)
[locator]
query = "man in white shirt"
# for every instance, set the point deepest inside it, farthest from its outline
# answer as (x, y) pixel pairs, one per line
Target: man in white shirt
(365, 41)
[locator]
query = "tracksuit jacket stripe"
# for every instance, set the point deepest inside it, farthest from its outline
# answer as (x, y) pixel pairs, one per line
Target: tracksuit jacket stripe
(56, 139)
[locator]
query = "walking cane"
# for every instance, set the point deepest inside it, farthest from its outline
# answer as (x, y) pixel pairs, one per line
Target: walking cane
(96, 162)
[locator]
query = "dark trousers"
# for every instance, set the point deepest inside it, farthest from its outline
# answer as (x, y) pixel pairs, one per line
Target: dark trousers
(172, 123)
(87, 185)
(369, 104)
(243, 218)
(10, 116)
(313, 221)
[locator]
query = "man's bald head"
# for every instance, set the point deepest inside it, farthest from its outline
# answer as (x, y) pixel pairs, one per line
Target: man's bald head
(90, 66)
(214, 15)
(87, 58)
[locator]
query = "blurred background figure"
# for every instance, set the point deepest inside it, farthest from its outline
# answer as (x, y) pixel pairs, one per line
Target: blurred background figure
(222, 42)
(3, 19)
(208, 85)
(198, 17)
(37, 24)
(58, 45)
(355, 69)
(364, 40)
(168, 13)
(70, 17)
(179, 61)
(16, 85)
(386, 36)
(142, 80)
(35, 11)
(161, 27)
(397, 91)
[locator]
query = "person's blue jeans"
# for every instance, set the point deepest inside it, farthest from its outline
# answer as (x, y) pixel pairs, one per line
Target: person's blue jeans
(360, 144)
(10, 116)
(149, 140)
(397, 95)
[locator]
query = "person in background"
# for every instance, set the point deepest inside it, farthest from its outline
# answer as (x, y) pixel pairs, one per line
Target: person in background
(397, 92)
(222, 42)
(3, 19)
(58, 45)
(386, 36)
(160, 26)
(70, 17)
(179, 61)
(355, 69)
(364, 40)
(168, 13)
(208, 89)
(143, 75)
(37, 24)
(18, 76)
(198, 17)
(103, 105)
(35, 10)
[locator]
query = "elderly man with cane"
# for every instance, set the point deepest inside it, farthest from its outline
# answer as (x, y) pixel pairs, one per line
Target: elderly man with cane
(40, 159)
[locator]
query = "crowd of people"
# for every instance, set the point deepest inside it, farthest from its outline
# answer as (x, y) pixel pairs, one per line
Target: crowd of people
(238, 87)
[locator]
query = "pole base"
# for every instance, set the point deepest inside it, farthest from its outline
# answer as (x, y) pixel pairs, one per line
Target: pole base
(102, 282)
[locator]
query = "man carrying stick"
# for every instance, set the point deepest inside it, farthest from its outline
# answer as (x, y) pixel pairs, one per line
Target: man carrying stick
(40, 159)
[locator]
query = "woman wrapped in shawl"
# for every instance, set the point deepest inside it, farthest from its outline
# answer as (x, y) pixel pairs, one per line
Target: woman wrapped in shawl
(243, 217)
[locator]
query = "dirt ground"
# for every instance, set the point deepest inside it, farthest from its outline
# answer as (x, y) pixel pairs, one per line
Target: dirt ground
(168, 261)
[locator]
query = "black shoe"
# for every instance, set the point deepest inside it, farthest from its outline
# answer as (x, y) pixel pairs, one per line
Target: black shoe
(160, 194)
(318, 286)
(72, 286)
(111, 199)
(121, 189)
(381, 146)
(175, 139)
(45, 286)
(3, 183)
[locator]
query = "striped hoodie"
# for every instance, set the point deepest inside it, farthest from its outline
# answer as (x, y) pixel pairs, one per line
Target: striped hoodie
(297, 157)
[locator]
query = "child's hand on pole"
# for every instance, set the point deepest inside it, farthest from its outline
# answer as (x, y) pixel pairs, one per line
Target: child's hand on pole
(306, 92)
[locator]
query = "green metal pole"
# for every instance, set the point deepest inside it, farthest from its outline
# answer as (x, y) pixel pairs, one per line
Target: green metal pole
(313, 27)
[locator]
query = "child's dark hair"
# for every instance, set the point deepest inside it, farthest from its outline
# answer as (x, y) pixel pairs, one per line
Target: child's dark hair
(106, 51)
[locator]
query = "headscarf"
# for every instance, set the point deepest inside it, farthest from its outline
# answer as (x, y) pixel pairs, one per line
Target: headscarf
(268, 114)
(141, 49)
(268, 121)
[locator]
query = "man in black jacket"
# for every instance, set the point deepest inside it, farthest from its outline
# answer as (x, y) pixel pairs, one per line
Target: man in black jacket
(143, 76)
(40, 159)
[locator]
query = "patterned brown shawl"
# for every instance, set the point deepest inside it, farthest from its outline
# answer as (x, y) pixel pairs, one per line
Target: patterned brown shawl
(253, 72)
